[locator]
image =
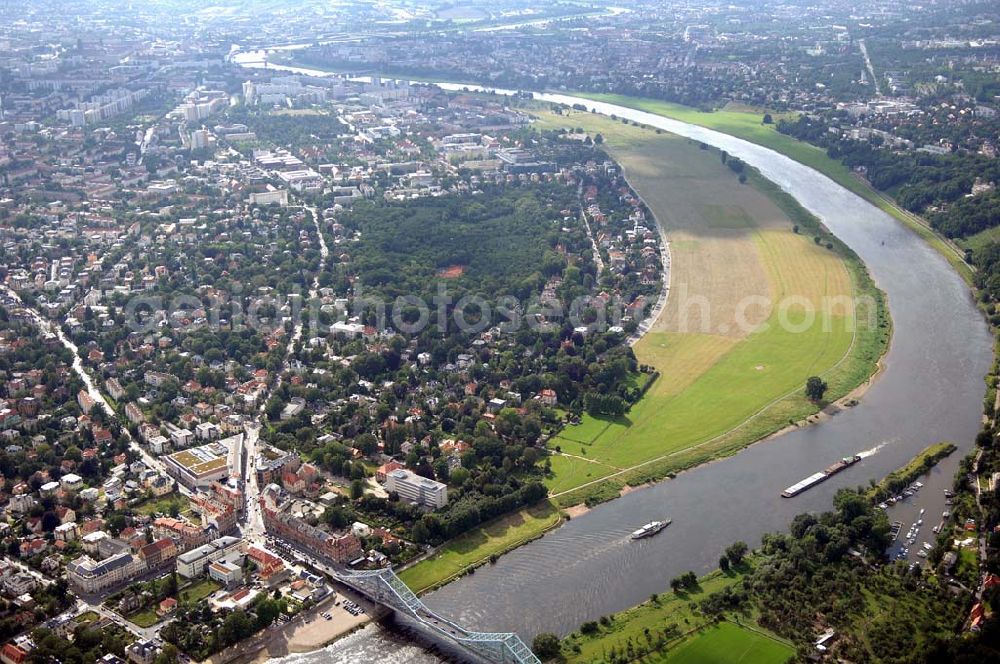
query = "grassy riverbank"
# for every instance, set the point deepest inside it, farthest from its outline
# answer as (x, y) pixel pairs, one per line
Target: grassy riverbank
(670, 628)
(478, 546)
(796, 586)
(732, 373)
(746, 124)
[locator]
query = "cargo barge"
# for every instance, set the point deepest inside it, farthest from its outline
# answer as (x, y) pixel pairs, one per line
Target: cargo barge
(813, 480)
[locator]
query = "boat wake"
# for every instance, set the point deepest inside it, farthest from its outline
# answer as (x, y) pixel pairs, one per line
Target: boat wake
(873, 451)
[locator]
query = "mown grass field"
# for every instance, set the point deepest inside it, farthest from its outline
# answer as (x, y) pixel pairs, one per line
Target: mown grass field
(727, 643)
(144, 619)
(476, 546)
(980, 239)
(571, 469)
(777, 308)
(631, 625)
(198, 591)
(746, 124)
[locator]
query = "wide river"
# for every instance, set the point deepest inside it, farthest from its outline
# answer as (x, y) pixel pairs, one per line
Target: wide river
(930, 390)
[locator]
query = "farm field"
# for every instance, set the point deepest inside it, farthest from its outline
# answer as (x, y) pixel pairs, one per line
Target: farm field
(746, 123)
(476, 546)
(754, 309)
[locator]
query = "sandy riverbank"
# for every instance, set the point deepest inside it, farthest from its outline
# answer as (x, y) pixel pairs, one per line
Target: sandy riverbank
(312, 633)
(305, 634)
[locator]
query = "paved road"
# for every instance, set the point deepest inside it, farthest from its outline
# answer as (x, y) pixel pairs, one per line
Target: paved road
(868, 65)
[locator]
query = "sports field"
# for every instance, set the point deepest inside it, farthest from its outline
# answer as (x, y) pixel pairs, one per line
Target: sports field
(754, 309)
(726, 643)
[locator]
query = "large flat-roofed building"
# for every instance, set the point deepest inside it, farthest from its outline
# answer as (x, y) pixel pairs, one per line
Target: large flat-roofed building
(201, 466)
(278, 518)
(416, 489)
(87, 575)
(194, 562)
(517, 160)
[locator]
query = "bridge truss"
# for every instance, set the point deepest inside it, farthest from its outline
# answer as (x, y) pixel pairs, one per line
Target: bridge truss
(384, 587)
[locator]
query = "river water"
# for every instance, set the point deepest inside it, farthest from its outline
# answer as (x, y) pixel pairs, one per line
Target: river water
(930, 390)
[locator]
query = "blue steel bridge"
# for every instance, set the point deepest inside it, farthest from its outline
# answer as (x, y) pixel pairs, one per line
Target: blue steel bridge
(385, 588)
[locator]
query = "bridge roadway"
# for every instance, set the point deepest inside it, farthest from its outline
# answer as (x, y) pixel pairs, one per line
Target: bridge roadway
(385, 589)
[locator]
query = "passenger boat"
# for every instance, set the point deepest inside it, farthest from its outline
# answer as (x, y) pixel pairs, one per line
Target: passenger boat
(650, 529)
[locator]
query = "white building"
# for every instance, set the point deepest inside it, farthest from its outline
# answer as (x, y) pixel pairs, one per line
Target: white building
(92, 541)
(227, 572)
(199, 139)
(279, 196)
(18, 583)
(71, 482)
(207, 431)
(302, 180)
(67, 532)
(193, 563)
(181, 438)
(416, 489)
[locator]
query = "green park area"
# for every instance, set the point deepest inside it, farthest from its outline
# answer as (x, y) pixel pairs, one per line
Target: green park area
(670, 628)
(171, 503)
(479, 545)
(189, 595)
(145, 618)
(198, 591)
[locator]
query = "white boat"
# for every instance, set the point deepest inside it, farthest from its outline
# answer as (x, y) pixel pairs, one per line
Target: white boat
(922, 510)
(650, 529)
